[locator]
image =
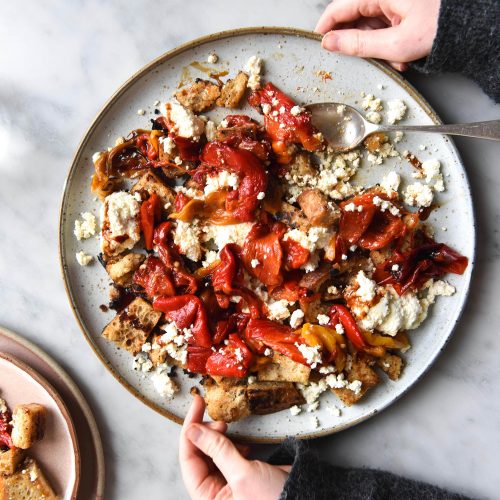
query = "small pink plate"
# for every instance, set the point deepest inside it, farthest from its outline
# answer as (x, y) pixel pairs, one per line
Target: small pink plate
(58, 453)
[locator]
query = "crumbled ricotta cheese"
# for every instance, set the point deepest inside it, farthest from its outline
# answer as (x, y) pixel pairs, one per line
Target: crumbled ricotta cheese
(323, 319)
(334, 411)
(313, 390)
(278, 309)
(261, 195)
(312, 355)
(432, 172)
(210, 257)
(313, 407)
(398, 136)
(314, 239)
(83, 259)
(141, 112)
(372, 103)
(266, 108)
(210, 130)
(222, 235)
(418, 194)
(221, 180)
(355, 386)
(385, 205)
(187, 238)
(185, 122)
(142, 363)
(254, 263)
(296, 318)
(336, 381)
(86, 227)
(374, 117)
(396, 111)
(295, 410)
(296, 110)
(339, 329)
(121, 209)
(175, 342)
(253, 67)
(163, 384)
(212, 58)
(168, 145)
(367, 287)
(390, 182)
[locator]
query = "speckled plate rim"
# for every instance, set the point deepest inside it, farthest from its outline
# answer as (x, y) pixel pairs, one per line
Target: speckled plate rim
(54, 395)
(80, 398)
(398, 79)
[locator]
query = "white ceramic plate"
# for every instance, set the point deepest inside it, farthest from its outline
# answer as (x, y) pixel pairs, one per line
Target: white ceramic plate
(292, 60)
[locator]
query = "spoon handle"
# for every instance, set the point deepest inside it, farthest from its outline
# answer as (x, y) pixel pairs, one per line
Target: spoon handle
(482, 130)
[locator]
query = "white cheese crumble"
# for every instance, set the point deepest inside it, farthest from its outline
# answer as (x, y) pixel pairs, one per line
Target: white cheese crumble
(367, 287)
(418, 194)
(313, 390)
(396, 111)
(431, 169)
(296, 110)
(385, 205)
(296, 318)
(122, 211)
(323, 319)
(141, 112)
(278, 309)
(374, 117)
(254, 263)
(187, 238)
(163, 384)
(142, 363)
(185, 122)
(253, 67)
(390, 182)
(221, 180)
(86, 227)
(372, 103)
(266, 108)
(334, 411)
(210, 130)
(83, 258)
(295, 410)
(222, 235)
(261, 195)
(312, 355)
(212, 58)
(168, 145)
(175, 342)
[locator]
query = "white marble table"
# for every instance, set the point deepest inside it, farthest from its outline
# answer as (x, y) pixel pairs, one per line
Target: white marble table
(58, 64)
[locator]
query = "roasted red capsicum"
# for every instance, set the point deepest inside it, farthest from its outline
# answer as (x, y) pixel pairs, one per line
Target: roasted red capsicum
(340, 314)
(150, 217)
(232, 360)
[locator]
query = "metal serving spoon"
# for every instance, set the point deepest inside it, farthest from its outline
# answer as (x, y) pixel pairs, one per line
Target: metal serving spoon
(344, 127)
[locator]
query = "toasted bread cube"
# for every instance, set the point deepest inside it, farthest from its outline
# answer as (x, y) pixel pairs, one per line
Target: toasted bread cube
(361, 369)
(293, 217)
(121, 269)
(233, 91)
(151, 183)
(317, 208)
(226, 402)
(10, 459)
(200, 96)
(28, 483)
(28, 425)
(301, 165)
(392, 365)
(270, 397)
(130, 328)
(284, 369)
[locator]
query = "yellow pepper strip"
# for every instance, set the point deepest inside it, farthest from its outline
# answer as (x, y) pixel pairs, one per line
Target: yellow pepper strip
(400, 341)
(319, 335)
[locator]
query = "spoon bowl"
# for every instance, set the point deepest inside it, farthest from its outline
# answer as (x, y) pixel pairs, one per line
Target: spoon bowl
(345, 128)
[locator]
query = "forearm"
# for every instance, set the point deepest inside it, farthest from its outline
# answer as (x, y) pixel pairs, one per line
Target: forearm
(313, 479)
(468, 42)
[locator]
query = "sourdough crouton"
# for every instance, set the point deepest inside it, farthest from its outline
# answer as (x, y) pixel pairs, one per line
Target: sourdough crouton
(10, 459)
(316, 208)
(28, 483)
(270, 397)
(360, 370)
(301, 166)
(121, 270)
(130, 328)
(226, 402)
(392, 365)
(28, 425)
(200, 96)
(293, 217)
(284, 369)
(312, 309)
(233, 91)
(151, 183)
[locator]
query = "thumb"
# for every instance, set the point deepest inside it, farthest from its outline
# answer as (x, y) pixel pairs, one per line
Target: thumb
(381, 43)
(220, 449)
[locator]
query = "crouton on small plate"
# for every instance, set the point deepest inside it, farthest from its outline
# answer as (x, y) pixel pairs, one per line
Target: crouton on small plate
(200, 96)
(284, 369)
(28, 425)
(233, 91)
(121, 269)
(151, 183)
(10, 459)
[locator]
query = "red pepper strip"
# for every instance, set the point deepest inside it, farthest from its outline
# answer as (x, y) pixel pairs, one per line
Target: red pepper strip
(172, 261)
(260, 333)
(342, 314)
(147, 149)
(241, 202)
(233, 360)
(6, 429)
(181, 200)
(187, 311)
(154, 278)
(150, 216)
(295, 254)
(197, 358)
(189, 150)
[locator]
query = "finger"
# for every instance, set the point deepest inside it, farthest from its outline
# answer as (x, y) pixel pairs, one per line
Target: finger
(244, 449)
(220, 449)
(381, 44)
(194, 415)
(217, 426)
(343, 11)
(399, 66)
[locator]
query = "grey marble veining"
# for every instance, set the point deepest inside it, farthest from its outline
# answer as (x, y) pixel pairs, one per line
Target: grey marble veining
(59, 62)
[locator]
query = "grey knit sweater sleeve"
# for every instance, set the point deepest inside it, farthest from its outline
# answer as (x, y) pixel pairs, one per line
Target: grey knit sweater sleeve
(468, 42)
(315, 480)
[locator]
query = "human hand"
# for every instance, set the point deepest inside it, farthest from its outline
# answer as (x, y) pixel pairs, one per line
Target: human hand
(213, 467)
(398, 31)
